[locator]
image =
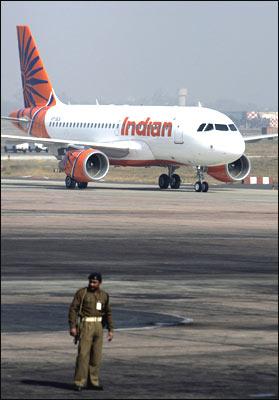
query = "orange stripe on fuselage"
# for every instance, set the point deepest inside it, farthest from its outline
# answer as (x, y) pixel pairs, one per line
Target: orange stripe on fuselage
(144, 163)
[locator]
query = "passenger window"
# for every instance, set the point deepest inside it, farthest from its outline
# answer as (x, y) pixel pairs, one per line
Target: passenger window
(109, 125)
(232, 127)
(112, 125)
(63, 124)
(221, 127)
(200, 128)
(60, 124)
(50, 124)
(103, 125)
(70, 124)
(99, 125)
(117, 126)
(67, 125)
(209, 127)
(106, 125)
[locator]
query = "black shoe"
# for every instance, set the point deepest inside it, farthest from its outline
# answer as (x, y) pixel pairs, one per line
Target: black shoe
(79, 388)
(95, 387)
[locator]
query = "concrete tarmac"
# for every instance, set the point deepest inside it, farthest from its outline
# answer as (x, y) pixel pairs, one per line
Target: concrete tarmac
(192, 279)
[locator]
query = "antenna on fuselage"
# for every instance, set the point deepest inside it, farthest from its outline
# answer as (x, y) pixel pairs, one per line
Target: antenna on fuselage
(97, 103)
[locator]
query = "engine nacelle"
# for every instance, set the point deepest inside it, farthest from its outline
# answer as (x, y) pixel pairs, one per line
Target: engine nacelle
(85, 165)
(235, 171)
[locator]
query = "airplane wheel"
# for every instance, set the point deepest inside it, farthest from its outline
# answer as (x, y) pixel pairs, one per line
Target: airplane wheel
(205, 187)
(164, 181)
(198, 187)
(70, 183)
(82, 185)
(175, 181)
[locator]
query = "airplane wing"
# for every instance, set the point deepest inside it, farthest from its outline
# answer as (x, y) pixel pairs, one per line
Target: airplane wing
(256, 138)
(116, 149)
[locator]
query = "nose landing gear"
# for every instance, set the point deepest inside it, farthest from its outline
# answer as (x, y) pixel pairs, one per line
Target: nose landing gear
(172, 180)
(200, 185)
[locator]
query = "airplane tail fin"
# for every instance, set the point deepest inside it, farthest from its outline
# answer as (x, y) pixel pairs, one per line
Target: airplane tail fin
(37, 89)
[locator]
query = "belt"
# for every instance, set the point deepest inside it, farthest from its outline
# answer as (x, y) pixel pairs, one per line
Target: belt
(92, 319)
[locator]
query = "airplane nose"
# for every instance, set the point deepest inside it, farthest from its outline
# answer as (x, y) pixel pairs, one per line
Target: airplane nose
(230, 147)
(237, 146)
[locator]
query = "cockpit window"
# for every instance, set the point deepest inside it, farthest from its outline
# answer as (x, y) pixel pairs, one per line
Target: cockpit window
(200, 128)
(221, 127)
(209, 127)
(232, 127)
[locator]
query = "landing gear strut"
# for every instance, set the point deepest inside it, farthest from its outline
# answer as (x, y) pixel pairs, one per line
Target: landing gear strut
(172, 180)
(201, 185)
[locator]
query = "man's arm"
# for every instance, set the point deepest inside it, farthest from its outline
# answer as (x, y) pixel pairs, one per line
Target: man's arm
(108, 316)
(73, 313)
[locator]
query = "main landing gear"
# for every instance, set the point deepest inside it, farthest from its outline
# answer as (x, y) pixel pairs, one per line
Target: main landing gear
(172, 180)
(200, 185)
(71, 183)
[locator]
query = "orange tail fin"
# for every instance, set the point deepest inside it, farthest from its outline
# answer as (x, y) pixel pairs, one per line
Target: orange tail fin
(37, 89)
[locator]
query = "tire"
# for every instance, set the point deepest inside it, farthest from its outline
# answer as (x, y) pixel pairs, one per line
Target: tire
(70, 183)
(164, 181)
(205, 187)
(175, 181)
(82, 185)
(198, 186)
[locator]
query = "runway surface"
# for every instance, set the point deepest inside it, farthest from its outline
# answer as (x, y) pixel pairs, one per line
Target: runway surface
(192, 279)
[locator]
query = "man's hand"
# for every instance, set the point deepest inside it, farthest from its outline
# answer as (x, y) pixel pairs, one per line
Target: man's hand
(110, 336)
(73, 332)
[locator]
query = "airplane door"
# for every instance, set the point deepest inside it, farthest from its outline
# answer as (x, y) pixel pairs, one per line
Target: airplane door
(178, 135)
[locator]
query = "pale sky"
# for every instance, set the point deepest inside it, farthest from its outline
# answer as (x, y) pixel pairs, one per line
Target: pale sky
(124, 52)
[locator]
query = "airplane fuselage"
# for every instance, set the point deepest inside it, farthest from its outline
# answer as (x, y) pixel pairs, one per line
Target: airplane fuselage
(165, 134)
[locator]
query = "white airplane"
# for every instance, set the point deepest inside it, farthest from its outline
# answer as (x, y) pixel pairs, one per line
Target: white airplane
(89, 138)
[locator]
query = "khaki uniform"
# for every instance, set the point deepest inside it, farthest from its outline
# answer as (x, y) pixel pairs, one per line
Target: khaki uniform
(91, 333)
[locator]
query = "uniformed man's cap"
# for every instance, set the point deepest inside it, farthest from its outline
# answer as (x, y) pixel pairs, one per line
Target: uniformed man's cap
(96, 276)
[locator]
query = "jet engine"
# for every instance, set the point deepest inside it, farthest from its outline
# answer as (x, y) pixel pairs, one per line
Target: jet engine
(234, 171)
(85, 165)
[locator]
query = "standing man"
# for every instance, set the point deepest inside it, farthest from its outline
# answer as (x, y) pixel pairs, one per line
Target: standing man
(91, 305)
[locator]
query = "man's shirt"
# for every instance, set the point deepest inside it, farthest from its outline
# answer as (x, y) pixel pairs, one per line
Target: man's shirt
(89, 306)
